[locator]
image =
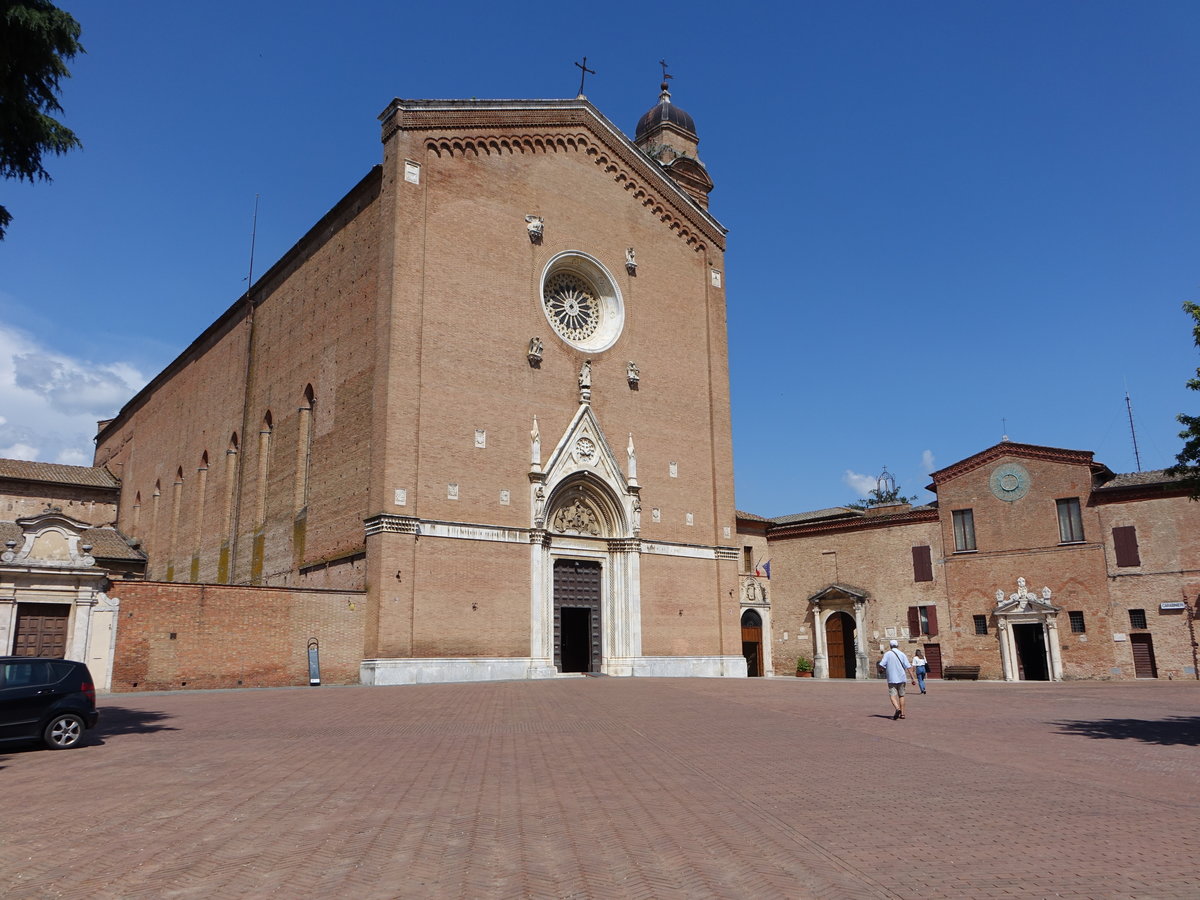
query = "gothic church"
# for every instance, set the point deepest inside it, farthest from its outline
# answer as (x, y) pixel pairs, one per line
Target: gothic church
(475, 424)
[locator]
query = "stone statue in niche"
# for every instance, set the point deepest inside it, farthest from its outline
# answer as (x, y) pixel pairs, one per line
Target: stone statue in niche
(630, 261)
(535, 352)
(585, 381)
(634, 374)
(577, 517)
(637, 515)
(539, 506)
(536, 225)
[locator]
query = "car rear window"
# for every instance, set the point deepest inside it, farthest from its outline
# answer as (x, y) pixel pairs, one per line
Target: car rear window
(60, 670)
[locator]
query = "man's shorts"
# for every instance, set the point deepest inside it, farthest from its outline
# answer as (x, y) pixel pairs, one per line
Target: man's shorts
(896, 690)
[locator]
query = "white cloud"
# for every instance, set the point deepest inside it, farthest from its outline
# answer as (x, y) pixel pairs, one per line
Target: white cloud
(52, 401)
(927, 462)
(19, 451)
(860, 484)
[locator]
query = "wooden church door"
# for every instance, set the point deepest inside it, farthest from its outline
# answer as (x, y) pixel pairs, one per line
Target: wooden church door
(839, 639)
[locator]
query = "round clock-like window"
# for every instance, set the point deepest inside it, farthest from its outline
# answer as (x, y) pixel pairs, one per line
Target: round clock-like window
(582, 302)
(1010, 481)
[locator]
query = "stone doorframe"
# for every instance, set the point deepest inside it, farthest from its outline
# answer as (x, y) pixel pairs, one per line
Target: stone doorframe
(584, 506)
(1027, 608)
(754, 596)
(839, 598)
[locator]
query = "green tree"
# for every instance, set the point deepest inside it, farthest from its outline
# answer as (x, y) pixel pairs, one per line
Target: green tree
(885, 493)
(1187, 462)
(35, 39)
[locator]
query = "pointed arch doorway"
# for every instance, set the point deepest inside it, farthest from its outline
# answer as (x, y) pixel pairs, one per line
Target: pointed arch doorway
(839, 638)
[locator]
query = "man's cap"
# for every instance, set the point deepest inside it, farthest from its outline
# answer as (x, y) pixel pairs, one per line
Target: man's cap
(895, 643)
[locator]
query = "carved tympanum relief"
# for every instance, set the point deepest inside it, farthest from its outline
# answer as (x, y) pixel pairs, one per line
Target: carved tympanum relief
(578, 517)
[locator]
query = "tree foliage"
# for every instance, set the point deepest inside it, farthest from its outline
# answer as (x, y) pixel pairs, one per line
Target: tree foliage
(35, 40)
(885, 493)
(1187, 462)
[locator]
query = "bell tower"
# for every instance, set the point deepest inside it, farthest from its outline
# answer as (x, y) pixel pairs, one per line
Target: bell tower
(667, 135)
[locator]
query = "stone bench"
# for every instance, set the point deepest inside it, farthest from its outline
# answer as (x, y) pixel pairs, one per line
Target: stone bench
(968, 673)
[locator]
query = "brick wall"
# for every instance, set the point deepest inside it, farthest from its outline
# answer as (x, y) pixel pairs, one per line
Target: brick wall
(173, 636)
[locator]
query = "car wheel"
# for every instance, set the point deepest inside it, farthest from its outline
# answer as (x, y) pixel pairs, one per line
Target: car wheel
(63, 731)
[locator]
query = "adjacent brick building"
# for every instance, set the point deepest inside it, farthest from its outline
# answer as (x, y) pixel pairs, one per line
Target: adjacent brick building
(1034, 563)
(487, 392)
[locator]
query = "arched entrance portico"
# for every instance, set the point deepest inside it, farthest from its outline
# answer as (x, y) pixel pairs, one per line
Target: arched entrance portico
(838, 624)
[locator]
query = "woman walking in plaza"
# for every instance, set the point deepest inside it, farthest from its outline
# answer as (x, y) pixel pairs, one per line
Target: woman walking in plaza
(920, 664)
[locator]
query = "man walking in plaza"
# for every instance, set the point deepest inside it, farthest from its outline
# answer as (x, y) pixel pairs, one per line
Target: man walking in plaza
(895, 666)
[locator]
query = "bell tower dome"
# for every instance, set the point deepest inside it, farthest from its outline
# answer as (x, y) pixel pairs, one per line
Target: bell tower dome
(667, 135)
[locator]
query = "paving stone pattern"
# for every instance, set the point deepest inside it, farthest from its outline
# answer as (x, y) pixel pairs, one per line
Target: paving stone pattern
(615, 788)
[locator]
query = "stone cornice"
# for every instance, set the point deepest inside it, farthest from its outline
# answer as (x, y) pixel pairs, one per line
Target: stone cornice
(487, 127)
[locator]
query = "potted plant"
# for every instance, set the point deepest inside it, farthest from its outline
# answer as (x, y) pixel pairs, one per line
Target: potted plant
(804, 667)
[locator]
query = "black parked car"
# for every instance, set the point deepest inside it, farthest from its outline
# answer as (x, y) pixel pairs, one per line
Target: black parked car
(47, 700)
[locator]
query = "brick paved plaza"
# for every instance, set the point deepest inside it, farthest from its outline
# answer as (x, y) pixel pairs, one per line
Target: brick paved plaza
(612, 788)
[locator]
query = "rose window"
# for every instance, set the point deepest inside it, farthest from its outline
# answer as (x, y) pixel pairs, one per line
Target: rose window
(572, 307)
(582, 302)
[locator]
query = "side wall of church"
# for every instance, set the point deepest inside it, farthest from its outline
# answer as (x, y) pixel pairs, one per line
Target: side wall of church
(251, 515)
(194, 636)
(171, 500)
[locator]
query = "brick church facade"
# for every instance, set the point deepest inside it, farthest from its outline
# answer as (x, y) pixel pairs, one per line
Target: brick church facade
(1035, 563)
(480, 412)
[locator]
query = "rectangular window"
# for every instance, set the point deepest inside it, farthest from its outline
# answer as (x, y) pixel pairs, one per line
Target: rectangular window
(748, 559)
(1070, 522)
(922, 564)
(1137, 618)
(1077, 626)
(922, 620)
(980, 624)
(964, 530)
(1126, 546)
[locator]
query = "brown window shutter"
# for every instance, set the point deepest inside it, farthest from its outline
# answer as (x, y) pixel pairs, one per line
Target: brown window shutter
(914, 621)
(931, 612)
(922, 564)
(1125, 543)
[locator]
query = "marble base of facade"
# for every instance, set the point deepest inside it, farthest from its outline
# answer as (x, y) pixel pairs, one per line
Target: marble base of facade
(446, 670)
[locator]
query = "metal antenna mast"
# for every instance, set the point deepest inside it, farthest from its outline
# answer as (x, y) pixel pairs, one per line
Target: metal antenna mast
(253, 237)
(1133, 433)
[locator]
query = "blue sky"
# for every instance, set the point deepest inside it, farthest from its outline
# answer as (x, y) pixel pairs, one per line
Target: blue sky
(947, 220)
